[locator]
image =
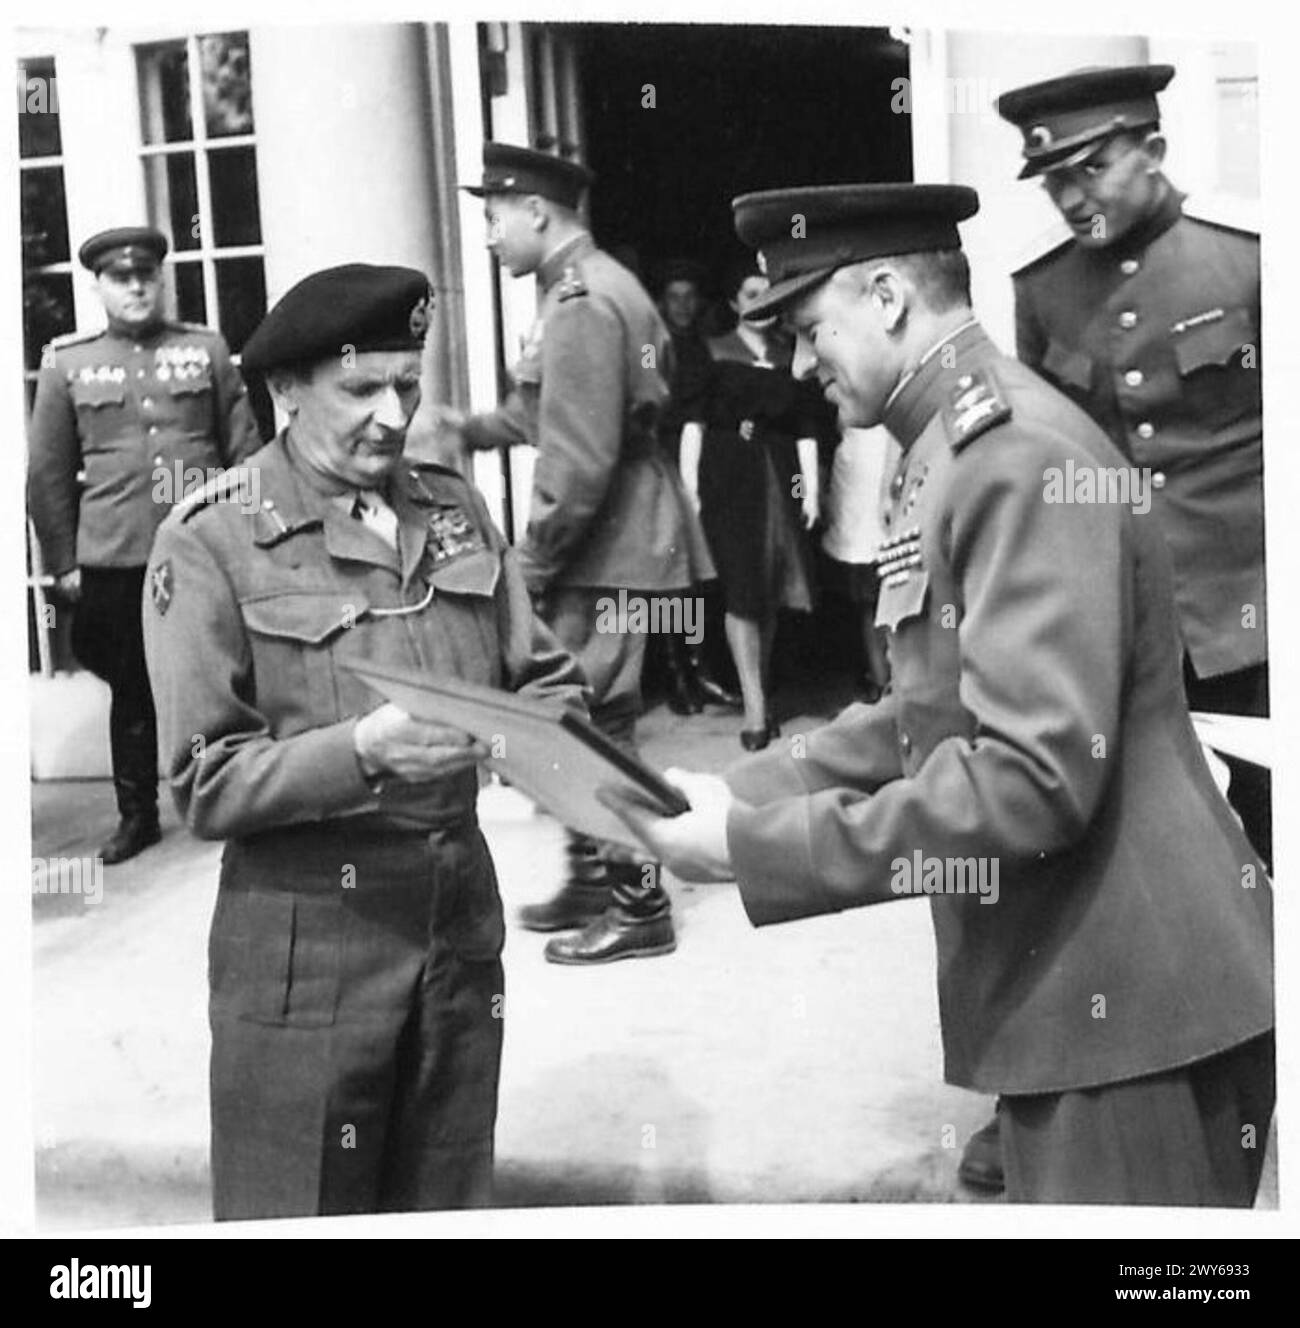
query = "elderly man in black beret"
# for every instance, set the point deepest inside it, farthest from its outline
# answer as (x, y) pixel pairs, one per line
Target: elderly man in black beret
(356, 983)
(128, 407)
(1103, 926)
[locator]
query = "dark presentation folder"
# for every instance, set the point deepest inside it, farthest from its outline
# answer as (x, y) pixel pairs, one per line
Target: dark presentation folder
(555, 757)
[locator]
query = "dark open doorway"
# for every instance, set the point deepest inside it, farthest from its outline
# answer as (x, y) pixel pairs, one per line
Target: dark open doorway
(735, 108)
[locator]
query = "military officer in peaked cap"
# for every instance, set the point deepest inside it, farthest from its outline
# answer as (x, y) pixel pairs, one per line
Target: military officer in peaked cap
(1109, 974)
(608, 513)
(355, 971)
(129, 406)
(1148, 317)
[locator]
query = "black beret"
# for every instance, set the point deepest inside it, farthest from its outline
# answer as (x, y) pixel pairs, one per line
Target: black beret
(511, 170)
(367, 308)
(1064, 118)
(124, 248)
(803, 235)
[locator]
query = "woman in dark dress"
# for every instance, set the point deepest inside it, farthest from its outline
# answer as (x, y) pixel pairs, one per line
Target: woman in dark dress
(749, 459)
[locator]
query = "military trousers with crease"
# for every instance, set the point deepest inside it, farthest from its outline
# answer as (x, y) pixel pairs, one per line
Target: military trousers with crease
(612, 662)
(356, 1003)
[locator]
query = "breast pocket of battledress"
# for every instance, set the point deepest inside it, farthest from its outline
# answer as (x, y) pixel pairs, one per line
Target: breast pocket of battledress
(294, 635)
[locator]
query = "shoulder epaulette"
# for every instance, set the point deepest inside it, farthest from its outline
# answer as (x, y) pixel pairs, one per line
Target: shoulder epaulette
(975, 404)
(75, 338)
(570, 284)
(234, 480)
(1046, 245)
(428, 477)
(1227, 211)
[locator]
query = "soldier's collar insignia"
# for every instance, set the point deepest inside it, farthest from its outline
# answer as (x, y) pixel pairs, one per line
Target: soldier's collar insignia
(160, 586)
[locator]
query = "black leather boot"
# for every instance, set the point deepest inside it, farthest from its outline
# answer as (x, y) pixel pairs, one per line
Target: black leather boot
(683, 695)
(638, 923)
(135, 832)
(586, 893)
(981, 1163)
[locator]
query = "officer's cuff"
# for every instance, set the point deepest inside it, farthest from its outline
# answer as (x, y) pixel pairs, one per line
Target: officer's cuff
(339, 783)
(771, 851)
(766, 778)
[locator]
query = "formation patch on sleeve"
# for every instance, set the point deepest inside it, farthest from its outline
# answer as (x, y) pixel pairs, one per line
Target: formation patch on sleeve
(161, 586)
(975, 404)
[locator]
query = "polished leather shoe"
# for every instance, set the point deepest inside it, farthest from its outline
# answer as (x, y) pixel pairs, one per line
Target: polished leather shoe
(754, 740)
(133, 835)
(981, 1163)
(616, 934)
(575, 906)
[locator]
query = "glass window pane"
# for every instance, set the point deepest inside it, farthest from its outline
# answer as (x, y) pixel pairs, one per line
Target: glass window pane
(164, 93)
(38, 109)
(44, 217)
(241, 294)
(47, 312)
(232, 174)
(227, 88)
(185, 291)
(173, 197)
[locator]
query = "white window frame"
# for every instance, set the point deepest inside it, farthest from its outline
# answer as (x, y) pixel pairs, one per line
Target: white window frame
(200, 147)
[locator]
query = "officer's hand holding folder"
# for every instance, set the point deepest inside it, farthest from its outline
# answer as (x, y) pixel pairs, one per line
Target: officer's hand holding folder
(553, 755)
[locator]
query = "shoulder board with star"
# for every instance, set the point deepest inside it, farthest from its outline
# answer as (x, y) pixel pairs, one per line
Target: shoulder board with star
(1227, 211)
(570, 285)
(217, 490)
(75, 339)
(975, 404)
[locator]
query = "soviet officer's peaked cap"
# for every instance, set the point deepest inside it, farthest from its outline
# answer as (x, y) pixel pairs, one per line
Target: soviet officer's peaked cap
(803, 235)
(511, 170)
(1065, 118)
(355, 306)
(124, 249)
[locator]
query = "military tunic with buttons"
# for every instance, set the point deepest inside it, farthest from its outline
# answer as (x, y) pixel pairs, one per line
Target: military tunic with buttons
(1157, 338)
(607, 507)
(127, 410)
(354, 955)
(1036, 721)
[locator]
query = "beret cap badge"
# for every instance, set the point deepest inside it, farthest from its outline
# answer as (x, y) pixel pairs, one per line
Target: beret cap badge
(421, 316)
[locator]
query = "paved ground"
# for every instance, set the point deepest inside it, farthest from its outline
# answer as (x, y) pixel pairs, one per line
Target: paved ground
(797, 1063)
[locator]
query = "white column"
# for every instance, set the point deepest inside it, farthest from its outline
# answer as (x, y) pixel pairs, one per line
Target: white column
(342, 169)
(343, 156)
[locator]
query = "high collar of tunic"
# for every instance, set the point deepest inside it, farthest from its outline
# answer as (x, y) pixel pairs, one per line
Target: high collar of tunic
(553, 265)
(918, 396)
(1147, 230)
